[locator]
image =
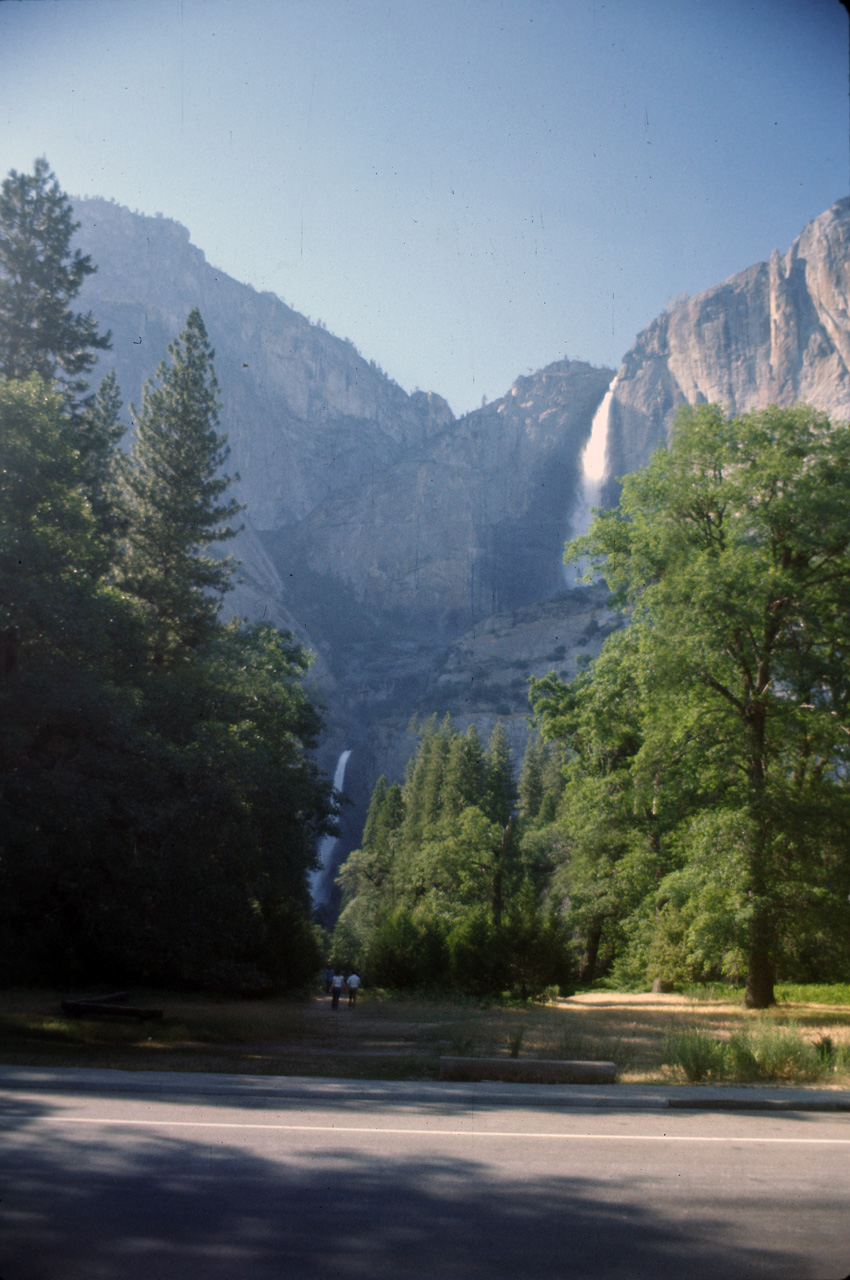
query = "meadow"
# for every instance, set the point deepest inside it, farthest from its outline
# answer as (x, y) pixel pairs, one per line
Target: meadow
(696, 1035)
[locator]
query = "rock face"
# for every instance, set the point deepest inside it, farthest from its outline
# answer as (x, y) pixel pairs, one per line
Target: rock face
(305, 414)
(773, 334)
(469, 523)
(360, 493)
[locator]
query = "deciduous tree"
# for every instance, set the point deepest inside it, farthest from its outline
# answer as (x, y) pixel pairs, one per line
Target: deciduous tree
(732, 550)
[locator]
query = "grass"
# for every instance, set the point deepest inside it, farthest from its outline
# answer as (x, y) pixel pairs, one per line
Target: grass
(764, 1051)
(785, 992)
(652, 1039)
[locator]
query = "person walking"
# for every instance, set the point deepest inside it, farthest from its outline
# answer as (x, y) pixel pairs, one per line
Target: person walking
(336, 989)
(352, 982)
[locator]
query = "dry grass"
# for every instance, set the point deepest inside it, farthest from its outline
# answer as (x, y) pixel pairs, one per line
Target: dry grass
(383, 1038)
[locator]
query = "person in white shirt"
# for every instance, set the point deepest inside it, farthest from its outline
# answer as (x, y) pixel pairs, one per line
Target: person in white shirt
(352, 982)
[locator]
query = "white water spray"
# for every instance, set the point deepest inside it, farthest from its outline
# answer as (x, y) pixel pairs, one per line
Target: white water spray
(593, 463)
(318, 878)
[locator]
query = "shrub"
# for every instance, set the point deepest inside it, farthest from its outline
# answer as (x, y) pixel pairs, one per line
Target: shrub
(697, 1054)
(770, 1052)
(760, 1052)
(477, 955)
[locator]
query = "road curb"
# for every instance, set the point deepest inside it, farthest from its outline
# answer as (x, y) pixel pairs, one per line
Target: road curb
(476, 1095)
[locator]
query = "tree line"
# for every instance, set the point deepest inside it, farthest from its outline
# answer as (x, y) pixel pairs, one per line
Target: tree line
(159, 805)
(445, 892)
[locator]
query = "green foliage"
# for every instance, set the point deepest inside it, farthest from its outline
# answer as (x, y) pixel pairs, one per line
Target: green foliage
(705, 796)
(175, 493)
(157, 819)
(697, 1054)
(406, 951)
(439, 894)
(761, 1052)
(814, 993)
(39, 277)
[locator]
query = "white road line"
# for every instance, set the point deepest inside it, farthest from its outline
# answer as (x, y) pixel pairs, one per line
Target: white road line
(436, 1133)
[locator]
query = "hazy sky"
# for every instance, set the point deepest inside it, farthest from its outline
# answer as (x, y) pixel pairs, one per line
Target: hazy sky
(466, 189)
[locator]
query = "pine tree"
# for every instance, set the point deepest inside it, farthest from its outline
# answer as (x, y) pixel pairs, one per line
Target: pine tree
(465, 773)
(97, 439)
(39, 277)
(499, 796)
(530, 789)
(175, 494)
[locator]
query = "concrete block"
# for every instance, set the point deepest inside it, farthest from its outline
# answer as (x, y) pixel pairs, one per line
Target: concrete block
(528, 1070)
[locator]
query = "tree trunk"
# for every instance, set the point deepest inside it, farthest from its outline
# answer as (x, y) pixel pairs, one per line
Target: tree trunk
(759, 989)
(587, 964)
(500, 858)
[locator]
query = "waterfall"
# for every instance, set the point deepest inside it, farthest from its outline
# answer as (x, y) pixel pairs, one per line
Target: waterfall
(593, 462)
(327, 844)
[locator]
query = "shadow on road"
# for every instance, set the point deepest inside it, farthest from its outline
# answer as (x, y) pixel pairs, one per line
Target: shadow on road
(131, 1207)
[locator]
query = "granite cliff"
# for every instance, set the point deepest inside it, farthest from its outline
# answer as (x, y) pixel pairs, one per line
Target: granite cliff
(775, 333)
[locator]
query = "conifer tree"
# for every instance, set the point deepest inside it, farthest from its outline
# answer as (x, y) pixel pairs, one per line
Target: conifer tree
(465, 774)
(530, 788)
(39, 277)
(97, 440)
(499, 796)
(176, 503)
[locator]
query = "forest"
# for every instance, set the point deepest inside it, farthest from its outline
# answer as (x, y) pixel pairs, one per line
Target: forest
(159, 805)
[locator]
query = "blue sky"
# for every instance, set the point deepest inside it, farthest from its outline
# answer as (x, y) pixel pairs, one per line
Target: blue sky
(466, 189)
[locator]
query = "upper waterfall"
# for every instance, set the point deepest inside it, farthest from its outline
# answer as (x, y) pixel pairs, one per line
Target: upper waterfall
(594, 465)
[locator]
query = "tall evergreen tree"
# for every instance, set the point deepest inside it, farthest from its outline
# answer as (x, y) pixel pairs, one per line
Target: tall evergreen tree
(40, 276)
(176, 488)
(500, 789)
(97, 439)
(530, 786)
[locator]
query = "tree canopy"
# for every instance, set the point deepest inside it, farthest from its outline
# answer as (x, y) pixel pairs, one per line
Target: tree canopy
(440, 894)
(176, 496)
(40, 276)
(731, 552)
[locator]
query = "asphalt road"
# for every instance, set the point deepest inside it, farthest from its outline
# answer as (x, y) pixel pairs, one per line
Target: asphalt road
(150, 1177)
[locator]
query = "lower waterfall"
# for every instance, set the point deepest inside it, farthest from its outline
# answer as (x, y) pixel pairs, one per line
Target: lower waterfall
(318, 886)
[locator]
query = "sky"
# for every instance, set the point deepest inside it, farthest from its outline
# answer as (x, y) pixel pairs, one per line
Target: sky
(466, 189)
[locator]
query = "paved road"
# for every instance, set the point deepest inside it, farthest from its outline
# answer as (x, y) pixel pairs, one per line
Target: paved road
(112, 1176)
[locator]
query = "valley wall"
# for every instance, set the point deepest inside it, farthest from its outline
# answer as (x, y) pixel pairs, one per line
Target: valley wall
(419, 555)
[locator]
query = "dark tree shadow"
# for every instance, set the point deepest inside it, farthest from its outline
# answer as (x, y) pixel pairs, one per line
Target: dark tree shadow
(135, 1204)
